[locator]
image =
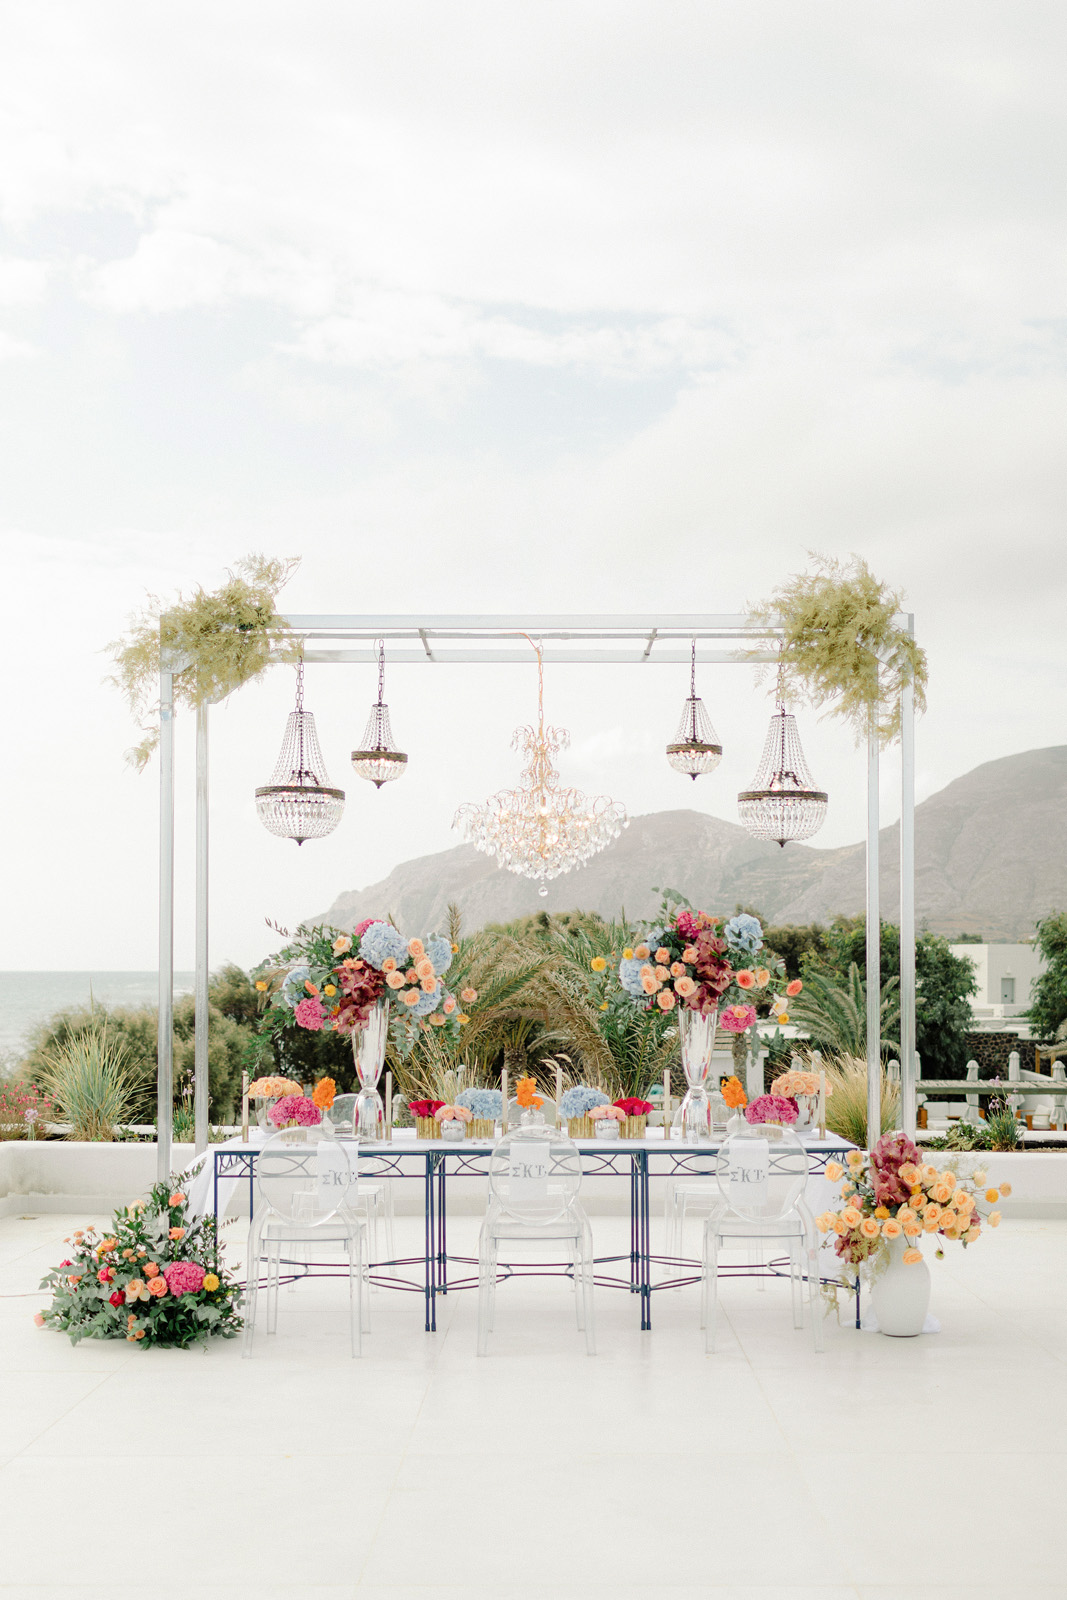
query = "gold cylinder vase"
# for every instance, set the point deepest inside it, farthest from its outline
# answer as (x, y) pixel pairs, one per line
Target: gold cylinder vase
(633, 1128)
(581, 1127)
(481, 1128)
(426, 1127)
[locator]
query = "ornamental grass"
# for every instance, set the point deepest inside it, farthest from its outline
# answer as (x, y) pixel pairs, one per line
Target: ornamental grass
(846, 1106)
(93, 1084)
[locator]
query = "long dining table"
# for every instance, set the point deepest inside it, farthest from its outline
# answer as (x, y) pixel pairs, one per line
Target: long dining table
(216, 1176)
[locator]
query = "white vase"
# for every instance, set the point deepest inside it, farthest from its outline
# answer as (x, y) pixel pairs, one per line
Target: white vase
(901, 1294)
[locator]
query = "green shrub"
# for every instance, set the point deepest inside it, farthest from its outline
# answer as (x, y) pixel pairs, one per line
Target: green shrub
(93, 1083)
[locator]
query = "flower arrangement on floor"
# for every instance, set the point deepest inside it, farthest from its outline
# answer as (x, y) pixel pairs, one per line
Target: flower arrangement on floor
(327, 979)
(705, 964)
(895, 1195)
(576, 1106)
(155, 1278)
(771, 1108)
(486, 1107)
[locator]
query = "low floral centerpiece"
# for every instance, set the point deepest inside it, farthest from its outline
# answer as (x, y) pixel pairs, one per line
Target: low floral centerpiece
(156, 1277)
(607, 1121)
(485, 1107)
(268, 1091)
(635, 1116)
(771, 1109)
(452, 1121)
(423, 1113)
(803, 1089)
(294, 1111)
(576, 1106)
(889, 1201)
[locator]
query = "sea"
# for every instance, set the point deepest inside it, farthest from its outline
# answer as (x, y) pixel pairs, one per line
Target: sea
(30, 998)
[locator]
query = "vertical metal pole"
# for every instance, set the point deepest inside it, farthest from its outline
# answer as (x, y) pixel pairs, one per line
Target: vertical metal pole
(907, 911)
(165, 1024)
(874, 950)
(200, 1050)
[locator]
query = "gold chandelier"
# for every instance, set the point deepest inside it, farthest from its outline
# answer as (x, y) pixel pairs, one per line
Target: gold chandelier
(540, 830)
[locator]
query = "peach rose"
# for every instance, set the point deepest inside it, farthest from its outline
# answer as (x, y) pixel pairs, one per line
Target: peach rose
(176, 1199)
(822, 1222)
(852, 1217)
(949, 1180)
(905, 1214)
(411, 997)
(908, 1173)
(665, 1000)
(411, 975)
(971, 1235)
(450, 1004)
(395, 980)
(994, 1219)
(942, 1192)
(151, 1270)
(136, 1290)
(38, 1317)
(468, 996)
(763, 977)
(912, 1230)
(158, 1287)
(869, 1228)
(931, 1224)
(649, 984)
(416, 948)
(641, 952)
(663, 956)
(891, 1229)
(388, 965)
(840, 1226)
(175, 1233)
(424, 968)
(685, 987)
(834, 1171)
(678, 969)
(689, 954)
(912, 1256)
(428, 985)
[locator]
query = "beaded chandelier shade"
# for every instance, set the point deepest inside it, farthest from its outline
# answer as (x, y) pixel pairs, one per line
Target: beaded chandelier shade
(378, 760)
(695, 747)
(298, 803)
(540, 830)
(783, 803)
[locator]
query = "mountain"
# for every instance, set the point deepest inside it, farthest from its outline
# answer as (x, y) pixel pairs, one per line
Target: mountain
(990, 858)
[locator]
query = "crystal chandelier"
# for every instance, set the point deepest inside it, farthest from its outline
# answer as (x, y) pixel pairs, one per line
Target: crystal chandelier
(540, 830)
(783, 802)
(695, 747)
(298, 802)
(379, 761)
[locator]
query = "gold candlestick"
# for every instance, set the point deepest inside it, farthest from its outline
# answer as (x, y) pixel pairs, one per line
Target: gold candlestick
(388, 1105)
(666, 1102)
(822, 1105)
(503, 1101)
(559, 1097)
(244, 1107)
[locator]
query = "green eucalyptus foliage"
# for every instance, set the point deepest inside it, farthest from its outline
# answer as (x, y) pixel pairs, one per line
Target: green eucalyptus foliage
(218, 640)
(843, 648)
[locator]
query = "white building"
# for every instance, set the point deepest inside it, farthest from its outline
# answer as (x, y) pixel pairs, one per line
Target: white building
(1006, 974)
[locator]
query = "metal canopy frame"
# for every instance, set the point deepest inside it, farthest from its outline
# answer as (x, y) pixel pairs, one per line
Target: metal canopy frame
(642, 640)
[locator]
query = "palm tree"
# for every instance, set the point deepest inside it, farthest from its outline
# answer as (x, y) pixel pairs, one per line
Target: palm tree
(834, 1014)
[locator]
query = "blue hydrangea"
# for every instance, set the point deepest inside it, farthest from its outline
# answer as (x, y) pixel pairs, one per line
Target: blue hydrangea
(439, 951)
(426, 1002)
(485, 1104)
(744, 933)
(380, 942)
(630, 977)
(580, 1100)
(293, 988)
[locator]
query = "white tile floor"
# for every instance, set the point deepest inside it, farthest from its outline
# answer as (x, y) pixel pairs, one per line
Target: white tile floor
(929, 1469)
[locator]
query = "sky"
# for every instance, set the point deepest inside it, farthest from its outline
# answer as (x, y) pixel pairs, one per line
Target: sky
(569, 307)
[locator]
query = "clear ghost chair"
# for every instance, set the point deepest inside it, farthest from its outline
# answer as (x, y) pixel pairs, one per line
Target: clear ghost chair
(762, 1173)
(375, 1195)
(305, 1195)
(534, 1178)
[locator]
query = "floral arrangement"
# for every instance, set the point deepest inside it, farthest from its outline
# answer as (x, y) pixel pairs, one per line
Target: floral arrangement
(580, 1101)
(424, 1109)
(294, 1111)
(155, 1278)
(484, 1105)
(894, 1194)
(772, 1108)
(607, 1114)
(526, 1095)
(693, 960)
(446, 1113)
(796, 1082)
(272, 1088)
(24, 1112)
(733, 1093)
(324, 1093)
(327, 979)
(632, 1107)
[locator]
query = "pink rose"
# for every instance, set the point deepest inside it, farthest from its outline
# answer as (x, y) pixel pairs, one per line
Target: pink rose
(38, 1318)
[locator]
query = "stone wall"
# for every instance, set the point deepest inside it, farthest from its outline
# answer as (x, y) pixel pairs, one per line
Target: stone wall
(991, 1051)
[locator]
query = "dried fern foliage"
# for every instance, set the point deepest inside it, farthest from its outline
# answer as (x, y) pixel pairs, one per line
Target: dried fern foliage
(218, 641)
(843, 648)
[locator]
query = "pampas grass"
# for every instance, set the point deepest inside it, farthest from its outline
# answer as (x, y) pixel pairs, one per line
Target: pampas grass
(846, 1107)
(93, 1084)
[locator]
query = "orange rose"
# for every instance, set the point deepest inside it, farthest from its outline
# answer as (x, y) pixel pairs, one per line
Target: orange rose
(869, 1228)
(794, 988)
(853, 1218)
(891, 1229)
(912, 1256)
(151, 1270)
(158, 1287)
(746, 980)
(175, 1233)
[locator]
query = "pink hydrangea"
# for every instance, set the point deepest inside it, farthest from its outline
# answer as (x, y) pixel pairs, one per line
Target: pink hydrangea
(184, 1277)
(295, 1108)
(361, 927)
(309, 1014)
(736, 1019)
(771, 1108)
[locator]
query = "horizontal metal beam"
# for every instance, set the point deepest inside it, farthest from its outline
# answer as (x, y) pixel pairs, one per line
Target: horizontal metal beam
(593, 625)
(571, 657)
